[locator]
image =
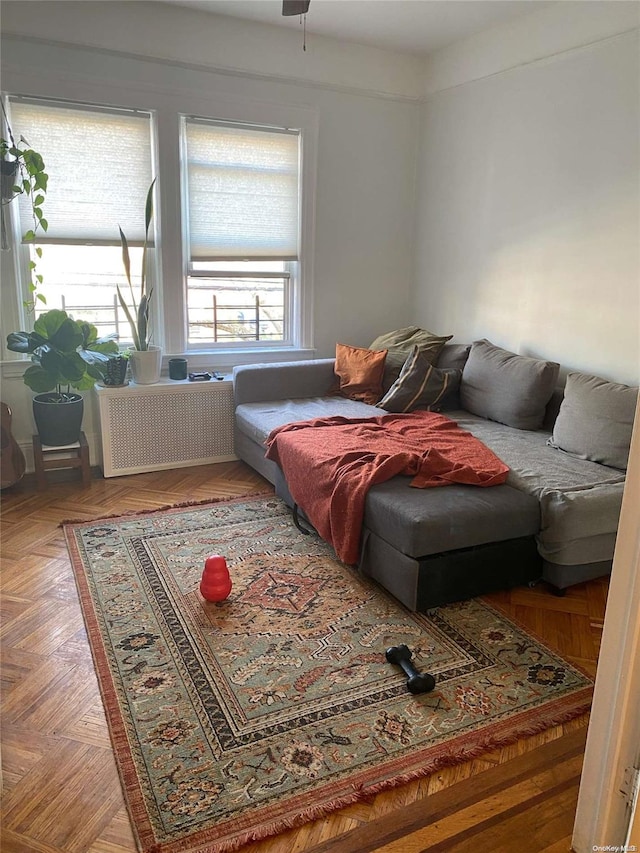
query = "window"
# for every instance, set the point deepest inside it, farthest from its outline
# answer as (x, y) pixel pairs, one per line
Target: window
(99, 164)
(234, 219)
(243, 214)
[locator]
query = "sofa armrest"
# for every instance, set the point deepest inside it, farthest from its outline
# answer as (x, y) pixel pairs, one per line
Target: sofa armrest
(256, 383)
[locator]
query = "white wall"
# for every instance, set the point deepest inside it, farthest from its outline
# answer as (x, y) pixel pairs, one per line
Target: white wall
(545, 31)
(528, 216)
(199, 39)
(366, 152)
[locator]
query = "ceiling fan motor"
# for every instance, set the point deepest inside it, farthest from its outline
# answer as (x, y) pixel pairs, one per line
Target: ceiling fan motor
(295, 7)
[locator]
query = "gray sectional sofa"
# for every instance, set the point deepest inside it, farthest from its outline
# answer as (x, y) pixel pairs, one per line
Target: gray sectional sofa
(554, 518)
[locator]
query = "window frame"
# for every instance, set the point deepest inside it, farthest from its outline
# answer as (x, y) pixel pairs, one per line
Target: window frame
(293, 333)
(291, 284)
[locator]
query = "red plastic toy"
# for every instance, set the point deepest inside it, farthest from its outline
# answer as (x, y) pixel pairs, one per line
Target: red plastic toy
(216, 582)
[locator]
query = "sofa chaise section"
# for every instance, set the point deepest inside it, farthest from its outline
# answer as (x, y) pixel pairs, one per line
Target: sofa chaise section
(579, 500)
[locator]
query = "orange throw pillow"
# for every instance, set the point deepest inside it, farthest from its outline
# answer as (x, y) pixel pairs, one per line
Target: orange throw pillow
(359, 373)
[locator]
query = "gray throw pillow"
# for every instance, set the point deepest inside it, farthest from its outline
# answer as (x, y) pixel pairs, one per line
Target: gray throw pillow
(505, 387)
(595, 420)
(453, 355)
(399, 345)
(420, 385)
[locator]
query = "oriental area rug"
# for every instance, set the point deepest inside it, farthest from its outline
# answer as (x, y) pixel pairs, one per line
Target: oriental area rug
(236, 720)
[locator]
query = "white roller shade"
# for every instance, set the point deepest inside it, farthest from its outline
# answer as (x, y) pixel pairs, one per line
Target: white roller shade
(99, 167)
(243, 192)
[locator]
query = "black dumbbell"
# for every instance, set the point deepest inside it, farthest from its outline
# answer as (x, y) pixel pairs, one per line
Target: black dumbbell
(417, 682)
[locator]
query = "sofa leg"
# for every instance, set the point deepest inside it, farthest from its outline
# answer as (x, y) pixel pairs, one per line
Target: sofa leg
(559, 591)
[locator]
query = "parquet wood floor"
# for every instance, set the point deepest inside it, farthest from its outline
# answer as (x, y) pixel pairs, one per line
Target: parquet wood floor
(61, 792)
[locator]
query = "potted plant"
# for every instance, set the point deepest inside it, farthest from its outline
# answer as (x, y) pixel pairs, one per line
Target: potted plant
(66, 354)
(145, 359)
(23, 173)
(114, 370)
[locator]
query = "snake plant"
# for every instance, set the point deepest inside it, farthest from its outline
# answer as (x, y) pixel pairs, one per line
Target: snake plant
(138, 314)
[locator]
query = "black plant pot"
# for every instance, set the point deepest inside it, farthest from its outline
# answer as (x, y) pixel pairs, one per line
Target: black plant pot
(58, 423)
(115, 371)
(9, 176)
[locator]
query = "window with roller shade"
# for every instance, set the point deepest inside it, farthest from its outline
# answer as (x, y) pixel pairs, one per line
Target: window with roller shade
(99, 163)
(243, 222)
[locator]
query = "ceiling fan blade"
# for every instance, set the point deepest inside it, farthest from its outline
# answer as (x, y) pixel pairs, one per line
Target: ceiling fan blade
(295, 7)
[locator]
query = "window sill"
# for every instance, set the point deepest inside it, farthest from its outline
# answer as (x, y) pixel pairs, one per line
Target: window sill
(14, 369)
(226, 360)
(197, 361)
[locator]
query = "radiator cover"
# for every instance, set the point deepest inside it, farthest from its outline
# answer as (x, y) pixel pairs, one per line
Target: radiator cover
(166, 425)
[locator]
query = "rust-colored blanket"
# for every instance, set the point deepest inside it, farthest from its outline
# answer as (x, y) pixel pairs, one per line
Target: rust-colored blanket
(330, 464)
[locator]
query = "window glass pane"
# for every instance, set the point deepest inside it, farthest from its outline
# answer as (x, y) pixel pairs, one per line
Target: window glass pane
(247, 308)
(81, 280)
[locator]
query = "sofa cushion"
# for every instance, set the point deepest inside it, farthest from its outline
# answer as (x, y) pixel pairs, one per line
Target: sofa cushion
(420, 385)
(595, 420)
(359, 373)
(257, 420)
(399, 345)
(429, 521)
(453, 355)
(505, 387)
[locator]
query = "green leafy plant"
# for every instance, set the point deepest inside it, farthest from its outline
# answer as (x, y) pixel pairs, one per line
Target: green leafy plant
(23, 173)
(65, 352)
(138, 317)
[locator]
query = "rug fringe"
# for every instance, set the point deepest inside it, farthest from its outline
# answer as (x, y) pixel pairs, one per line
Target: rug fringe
(361, 793)
(130, 513)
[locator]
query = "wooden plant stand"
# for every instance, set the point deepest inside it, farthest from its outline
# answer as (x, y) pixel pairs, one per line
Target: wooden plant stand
(46, 458)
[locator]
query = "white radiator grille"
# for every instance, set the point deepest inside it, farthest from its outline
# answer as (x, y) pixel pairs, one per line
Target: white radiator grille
(149, 428)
